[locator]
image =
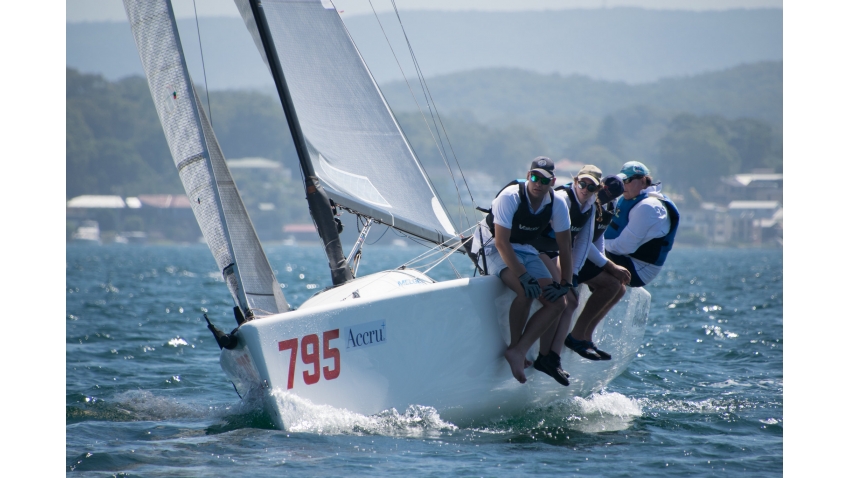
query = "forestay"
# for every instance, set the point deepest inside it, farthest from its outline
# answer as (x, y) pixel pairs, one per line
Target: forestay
(355, 144)
(215, 201)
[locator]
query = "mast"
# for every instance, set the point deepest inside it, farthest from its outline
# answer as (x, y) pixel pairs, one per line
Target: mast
(317, 200)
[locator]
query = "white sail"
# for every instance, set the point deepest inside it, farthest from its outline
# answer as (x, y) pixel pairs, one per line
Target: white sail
(215, 200)
(353, 346)
(355, 144)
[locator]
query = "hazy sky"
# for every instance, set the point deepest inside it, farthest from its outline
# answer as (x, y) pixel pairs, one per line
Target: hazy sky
(113, 10)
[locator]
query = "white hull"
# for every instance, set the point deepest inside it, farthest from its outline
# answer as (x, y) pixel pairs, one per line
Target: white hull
(440, 345)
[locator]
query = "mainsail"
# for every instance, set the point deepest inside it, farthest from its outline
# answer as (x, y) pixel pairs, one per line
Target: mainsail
(215, 201)
(355, 144)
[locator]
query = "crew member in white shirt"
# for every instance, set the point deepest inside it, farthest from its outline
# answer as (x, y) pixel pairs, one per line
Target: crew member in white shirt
(590, 266)
(520, 213)
(644, 226)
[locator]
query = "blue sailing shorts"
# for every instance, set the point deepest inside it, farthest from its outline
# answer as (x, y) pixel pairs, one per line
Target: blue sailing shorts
(532, 263)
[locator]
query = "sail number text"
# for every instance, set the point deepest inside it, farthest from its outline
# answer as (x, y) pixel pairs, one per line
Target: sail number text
(310, 357)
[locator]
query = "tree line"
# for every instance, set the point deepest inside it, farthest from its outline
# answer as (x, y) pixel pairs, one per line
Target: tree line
(115, 144)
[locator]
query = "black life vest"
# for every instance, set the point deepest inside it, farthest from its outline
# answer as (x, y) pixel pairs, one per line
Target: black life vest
(602, 222)
(546, 242)
(577, 218)
(526, 226)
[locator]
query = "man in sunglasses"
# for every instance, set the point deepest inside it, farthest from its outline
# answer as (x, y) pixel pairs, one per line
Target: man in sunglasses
(519, 214)
(604, 278)
(644, 226)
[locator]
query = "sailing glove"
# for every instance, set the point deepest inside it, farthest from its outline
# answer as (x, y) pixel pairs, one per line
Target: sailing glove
(529, 285)
(555, 291)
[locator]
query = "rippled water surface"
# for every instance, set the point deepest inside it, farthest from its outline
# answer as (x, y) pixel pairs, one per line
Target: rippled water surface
(145, 395)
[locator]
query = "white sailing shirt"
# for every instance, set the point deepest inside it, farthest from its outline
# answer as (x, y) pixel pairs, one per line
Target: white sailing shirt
(504, 207)
(647, 220)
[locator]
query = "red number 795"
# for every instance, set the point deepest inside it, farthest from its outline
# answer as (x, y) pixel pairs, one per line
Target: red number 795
(310, 356)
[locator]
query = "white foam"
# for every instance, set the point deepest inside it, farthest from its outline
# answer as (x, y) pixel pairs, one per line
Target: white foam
(177, 341)
(604, 403)
(302, 415)
(602, 412)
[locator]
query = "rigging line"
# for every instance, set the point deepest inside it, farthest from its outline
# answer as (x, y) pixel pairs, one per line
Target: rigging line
(429, 259)
(444, 258)
(432, 251)
(436, 262)
(409, 88)
(440, 148)
(421, 257)
(427, 264)
(457, 162)
(447, 257)
(421, 262)
(378, 239)
(421, 78)
(438, 250)
(427, 93)
(428, 253)
(203, 66)
(457, 272)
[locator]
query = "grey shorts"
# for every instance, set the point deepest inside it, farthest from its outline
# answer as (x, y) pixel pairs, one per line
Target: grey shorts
(532, 263)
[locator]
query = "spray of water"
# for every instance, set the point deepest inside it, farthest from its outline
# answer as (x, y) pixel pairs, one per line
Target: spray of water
(600, 412)
(302, 415)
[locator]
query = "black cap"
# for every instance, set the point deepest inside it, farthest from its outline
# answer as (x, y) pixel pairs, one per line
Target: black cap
(612, 188)
(544, 166)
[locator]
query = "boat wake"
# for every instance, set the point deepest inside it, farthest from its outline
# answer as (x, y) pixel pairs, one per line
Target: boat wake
(600, 412)
(302, 415)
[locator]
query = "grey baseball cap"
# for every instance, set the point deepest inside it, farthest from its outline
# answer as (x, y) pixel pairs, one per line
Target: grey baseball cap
(543, 166)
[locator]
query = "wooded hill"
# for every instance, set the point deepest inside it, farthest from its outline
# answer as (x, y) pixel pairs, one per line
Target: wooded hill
(689, 130)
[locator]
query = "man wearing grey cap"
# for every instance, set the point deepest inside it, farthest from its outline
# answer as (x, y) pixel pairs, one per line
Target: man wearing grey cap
(644, 226)
(519, 214)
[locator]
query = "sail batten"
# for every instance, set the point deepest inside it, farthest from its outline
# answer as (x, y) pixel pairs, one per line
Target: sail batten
(200, 162)
(355, 145)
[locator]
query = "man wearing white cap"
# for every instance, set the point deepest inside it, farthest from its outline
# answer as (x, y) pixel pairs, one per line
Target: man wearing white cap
(644, 226)
(519, 214)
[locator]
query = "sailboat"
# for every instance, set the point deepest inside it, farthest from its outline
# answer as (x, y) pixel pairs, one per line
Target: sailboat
(366, 344)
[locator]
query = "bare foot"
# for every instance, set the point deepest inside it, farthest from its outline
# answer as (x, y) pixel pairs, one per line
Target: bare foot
(528, 363)
(516, 362)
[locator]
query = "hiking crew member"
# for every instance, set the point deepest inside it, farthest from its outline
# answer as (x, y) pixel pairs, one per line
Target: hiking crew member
(604, 278)
(606, 283)
(644, 225)
(519, 214)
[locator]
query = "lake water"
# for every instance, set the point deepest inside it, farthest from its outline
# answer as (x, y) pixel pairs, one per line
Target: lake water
(145, 395)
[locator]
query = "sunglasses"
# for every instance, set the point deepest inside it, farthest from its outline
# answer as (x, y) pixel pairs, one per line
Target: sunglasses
(537, 179)
(589, 186)
(628, 180)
